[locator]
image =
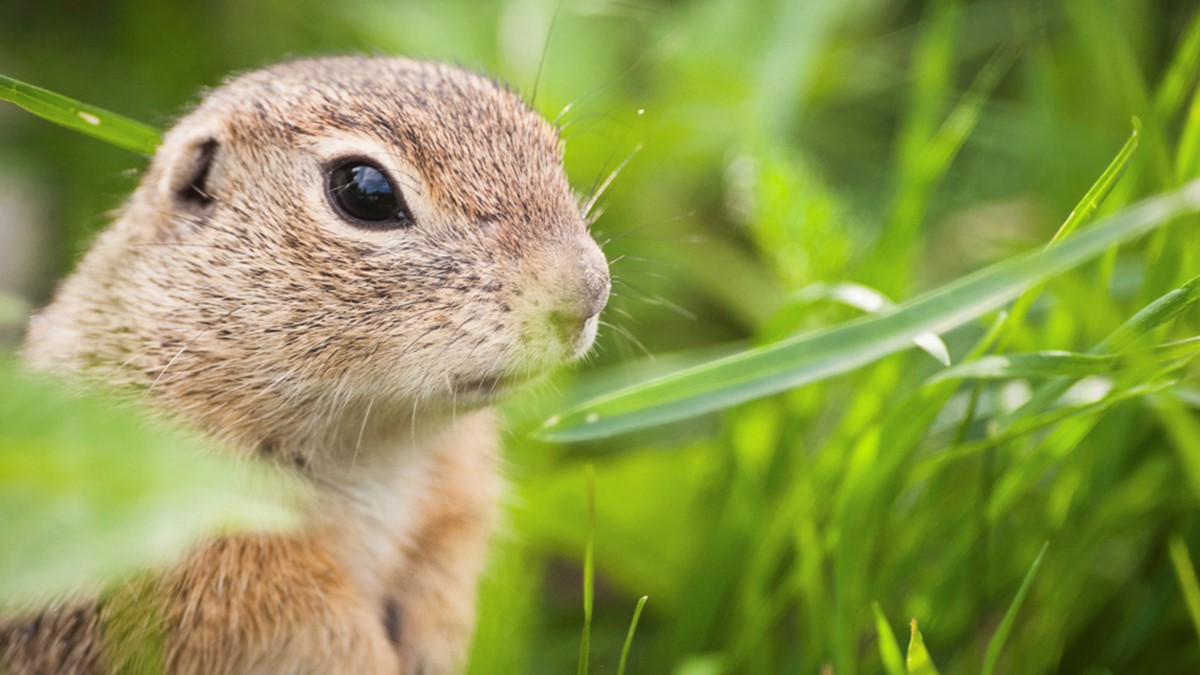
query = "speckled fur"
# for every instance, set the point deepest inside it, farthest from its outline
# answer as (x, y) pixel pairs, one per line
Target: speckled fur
(363, 360)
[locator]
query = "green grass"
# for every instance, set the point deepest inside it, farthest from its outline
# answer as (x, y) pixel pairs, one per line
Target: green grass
(790, 473)
(86, 119)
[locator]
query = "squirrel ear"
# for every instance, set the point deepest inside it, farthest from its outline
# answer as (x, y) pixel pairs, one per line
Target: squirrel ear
(187, 179)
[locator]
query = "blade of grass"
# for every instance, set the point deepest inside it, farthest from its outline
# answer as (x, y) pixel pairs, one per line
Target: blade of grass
(589, 574)
(109, 127)
(1073, 365)
(1170, 305)
(922, 172)
(637, 614)
(1186, 573)
(865, 299)
(889, 648)
(1095, 196)
(1157, 313)
(997, 642)
(1044, 420)
(1187, 159)
(1029, 366)
(808, 358)
(1082, 213)
(1184, 433)
(918, 660)
(1174, 85)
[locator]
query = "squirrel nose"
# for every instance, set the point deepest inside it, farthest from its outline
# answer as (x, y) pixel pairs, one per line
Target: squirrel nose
(597, 282)
(583, 292)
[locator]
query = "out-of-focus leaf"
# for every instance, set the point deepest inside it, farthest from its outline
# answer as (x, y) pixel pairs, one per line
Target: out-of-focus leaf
(997, 642)
(1186, 573)
(1083, 212)
(889, 649)
(919, 662)
(589, 576)
(91, 491)
(1051, 364)
(1157, 313)
(1032, 366)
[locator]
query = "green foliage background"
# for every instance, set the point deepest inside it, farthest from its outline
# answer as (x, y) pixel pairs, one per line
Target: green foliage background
(787, 147)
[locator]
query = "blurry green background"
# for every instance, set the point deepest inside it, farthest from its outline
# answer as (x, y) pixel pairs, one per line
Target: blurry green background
(782, 144)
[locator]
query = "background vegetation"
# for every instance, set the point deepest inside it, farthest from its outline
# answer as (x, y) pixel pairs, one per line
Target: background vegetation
(786, 149)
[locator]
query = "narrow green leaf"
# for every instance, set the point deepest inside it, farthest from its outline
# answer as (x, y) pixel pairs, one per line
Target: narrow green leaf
(589, 574)
(889, 648)
(1074, 365)
(637, 614)
(927, 158)
(110, 127)
(1033, 423)
(996, 644)
(1186, 573)
(1170, 305)
(91, 492)
(1029, 366)
(871, 301)
(919, 662)
(1157, 313)
(1184, 432)
(1181, 73)
(808, 358)
(1083, 212)
(1187, 160)
(1095, 196)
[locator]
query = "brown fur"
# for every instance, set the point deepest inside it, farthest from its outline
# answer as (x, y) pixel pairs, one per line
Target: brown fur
(247, 308)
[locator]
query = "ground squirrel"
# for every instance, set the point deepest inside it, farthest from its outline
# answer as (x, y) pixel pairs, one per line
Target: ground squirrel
(338, 263)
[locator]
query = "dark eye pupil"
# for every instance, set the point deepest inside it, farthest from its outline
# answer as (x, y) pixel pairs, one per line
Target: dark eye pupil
(364, 193)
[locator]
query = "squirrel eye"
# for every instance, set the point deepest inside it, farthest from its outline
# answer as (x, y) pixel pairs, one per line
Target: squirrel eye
(364, 195)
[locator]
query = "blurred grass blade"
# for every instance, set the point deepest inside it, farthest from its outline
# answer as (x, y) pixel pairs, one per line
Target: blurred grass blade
(1181, 73)
(1170, 305)
(1073, 365)
(925, 155)
(996, 644)
(1031, 424)
(589, 574)
(91, 493)
(1083, 212)
(808, 358)
(1095, 196)
(87, 119)
(919, 661)
(889, 649)
(637, 614)
(1187, 160)
(1029, 366)
(1157, 313)
(871, 301)
(1186, 573)
(1184, 432)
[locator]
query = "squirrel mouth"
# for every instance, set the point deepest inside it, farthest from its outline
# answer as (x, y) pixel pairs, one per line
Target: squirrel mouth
(488, 386)
(492, 386)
